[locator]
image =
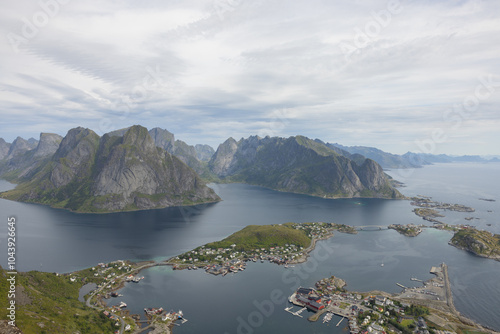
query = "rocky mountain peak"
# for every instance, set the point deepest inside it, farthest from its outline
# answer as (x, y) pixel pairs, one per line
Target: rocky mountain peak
(18, 146)
(48, 144)
(138, 136)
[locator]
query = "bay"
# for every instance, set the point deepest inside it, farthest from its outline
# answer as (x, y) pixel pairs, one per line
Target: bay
(62, 241)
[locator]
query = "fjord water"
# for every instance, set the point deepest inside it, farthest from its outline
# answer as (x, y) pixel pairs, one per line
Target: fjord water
(56, 240)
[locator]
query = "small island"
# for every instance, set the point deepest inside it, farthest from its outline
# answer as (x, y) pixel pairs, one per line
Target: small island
(408, 230)
(427, 202)
(480, 243)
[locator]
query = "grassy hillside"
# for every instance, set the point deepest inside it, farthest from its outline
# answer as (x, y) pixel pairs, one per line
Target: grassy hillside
(47, 303)
(264, 236)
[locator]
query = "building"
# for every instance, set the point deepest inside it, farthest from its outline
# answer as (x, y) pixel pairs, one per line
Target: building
(304, 291)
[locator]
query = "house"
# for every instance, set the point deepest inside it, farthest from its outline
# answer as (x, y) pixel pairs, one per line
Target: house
(314, 298)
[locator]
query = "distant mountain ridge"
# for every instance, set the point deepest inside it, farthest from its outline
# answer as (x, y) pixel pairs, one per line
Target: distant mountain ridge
(409, 159)
(301, 165)
(88, 173)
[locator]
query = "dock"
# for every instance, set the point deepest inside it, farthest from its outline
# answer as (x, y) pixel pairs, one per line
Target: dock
(340, 321)
(297, 313)
(401, 286)
(416, 279)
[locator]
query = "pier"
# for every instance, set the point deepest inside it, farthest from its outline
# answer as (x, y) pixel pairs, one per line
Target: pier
(401, 286)
(340, 321)
(297, 313)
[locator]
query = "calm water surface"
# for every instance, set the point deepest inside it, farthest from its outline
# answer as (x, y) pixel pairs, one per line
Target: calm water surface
(61, 241)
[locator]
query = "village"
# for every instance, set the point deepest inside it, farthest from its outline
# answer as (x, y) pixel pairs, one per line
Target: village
(232, 259)
(378, 312)
(110, 277)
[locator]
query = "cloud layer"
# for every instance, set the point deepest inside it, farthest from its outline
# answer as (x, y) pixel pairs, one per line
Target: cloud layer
(390, 74)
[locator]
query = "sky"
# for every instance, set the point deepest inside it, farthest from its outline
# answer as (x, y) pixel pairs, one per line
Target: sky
(420, 76)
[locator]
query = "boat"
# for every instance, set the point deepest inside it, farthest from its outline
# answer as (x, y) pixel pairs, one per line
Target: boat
(328, 317)
(122, 305)
(382, 265)
(180, 315)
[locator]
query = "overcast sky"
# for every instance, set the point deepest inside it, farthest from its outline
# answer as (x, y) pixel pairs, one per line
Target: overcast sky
(390, 74)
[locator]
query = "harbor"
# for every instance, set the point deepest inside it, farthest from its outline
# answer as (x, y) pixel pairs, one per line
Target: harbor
(425, 308)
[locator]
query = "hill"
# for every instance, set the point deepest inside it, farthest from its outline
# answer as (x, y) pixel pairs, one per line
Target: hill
(47, 303)
(264, 236)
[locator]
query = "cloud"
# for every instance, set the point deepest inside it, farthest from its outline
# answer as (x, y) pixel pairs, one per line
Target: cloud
(350, 72)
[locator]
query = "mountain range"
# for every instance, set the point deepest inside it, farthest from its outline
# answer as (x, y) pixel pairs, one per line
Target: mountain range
(409, 159)
(136, 168)
(301, 165)
(116, 172)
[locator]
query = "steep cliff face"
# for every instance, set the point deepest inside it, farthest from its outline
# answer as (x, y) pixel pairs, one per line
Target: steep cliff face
(22, 164)
(47, 145)
(298, 164)
(20, 146)
(186, 153)
(113, 173)
(4, 148)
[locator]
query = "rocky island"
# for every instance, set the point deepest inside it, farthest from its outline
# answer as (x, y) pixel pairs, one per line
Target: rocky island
(480, 243)
(408, 230)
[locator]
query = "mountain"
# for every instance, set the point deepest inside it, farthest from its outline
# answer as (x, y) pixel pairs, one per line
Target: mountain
(190, 155)
(24, 162)
(301, 165)
(384, 159)
(4, 148)
(204, 152)
(89, 173)
(20, 146)
(407, 160)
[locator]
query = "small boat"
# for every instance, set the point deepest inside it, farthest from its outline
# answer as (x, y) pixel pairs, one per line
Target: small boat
(180, 315)
(122, 305)
(382, 265)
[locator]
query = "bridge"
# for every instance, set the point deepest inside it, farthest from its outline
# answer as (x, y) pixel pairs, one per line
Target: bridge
(370, 228)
